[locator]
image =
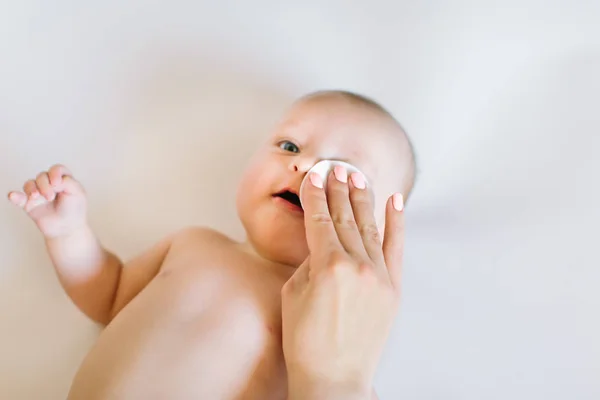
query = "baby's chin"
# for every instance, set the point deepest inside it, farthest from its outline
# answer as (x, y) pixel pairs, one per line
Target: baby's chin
(290, 250)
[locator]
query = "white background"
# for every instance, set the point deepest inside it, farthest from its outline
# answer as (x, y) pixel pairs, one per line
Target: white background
(156, 106)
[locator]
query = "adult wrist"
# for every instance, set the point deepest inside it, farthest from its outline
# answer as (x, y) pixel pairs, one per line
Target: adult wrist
(303, 387)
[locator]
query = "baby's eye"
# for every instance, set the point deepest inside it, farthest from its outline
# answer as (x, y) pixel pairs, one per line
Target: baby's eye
(286, 145)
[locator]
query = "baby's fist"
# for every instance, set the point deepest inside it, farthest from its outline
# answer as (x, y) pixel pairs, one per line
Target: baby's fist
(54, 200)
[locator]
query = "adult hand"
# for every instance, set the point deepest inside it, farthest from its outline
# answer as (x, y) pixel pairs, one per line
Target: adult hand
(338, 307)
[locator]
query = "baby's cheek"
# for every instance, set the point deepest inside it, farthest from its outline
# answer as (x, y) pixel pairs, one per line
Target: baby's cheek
(255, 183)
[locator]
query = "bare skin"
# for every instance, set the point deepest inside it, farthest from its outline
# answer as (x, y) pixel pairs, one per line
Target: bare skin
(199, 315)
(208, 326)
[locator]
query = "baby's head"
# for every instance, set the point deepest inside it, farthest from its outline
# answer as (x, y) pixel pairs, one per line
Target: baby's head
(327, 125)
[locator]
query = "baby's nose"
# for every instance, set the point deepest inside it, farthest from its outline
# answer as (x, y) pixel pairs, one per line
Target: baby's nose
(301, 165)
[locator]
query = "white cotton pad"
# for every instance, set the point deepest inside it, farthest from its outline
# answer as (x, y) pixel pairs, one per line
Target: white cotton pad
(323, 168)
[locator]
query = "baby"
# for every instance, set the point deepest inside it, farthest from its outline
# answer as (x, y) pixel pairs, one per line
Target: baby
(198, 315)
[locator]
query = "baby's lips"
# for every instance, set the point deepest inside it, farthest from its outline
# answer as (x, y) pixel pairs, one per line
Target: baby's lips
(323, 168)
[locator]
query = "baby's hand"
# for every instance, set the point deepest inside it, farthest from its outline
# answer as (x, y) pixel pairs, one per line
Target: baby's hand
(55, 201)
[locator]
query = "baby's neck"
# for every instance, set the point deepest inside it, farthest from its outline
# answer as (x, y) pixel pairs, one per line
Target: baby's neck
(247, 247)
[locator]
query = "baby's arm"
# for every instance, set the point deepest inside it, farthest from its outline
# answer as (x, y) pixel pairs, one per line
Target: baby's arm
(94, 278)
(137, 273)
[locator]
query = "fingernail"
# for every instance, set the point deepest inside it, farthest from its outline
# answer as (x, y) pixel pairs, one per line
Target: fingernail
(358, 180)
(316, 180)
(398, 201)
(340, 173)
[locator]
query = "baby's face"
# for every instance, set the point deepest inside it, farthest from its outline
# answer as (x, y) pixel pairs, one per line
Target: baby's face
(314, 130)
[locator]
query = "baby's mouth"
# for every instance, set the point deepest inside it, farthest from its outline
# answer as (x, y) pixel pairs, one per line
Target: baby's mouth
(290, 197)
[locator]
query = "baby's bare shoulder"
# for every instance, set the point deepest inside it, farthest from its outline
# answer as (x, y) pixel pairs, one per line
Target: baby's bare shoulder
(200, 236)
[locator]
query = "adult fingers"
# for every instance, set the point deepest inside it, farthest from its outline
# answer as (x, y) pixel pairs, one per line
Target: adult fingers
(362, 205)
(342, 214)
(321, 236)
(393, 241)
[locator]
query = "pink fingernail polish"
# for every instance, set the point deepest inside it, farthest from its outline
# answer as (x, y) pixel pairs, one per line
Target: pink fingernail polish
(316, 180)
(340, 173)
(398, 201)
(358, 180)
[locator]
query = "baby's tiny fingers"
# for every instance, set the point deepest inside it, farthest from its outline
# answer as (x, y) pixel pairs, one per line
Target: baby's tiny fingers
(30, 189)
(56, 173)
(71, 186)
(18, 198)
(43, 183)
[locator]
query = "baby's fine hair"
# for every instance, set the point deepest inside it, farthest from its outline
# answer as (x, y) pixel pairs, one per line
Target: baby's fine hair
(365, 101)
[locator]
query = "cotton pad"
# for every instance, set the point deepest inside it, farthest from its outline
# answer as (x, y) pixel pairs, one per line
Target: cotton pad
(323, 168)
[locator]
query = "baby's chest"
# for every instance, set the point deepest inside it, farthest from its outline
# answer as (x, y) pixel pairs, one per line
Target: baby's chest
(222, 282)
(231, 314)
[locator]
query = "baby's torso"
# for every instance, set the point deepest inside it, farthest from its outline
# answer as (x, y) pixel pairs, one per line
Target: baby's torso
(207, 327)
